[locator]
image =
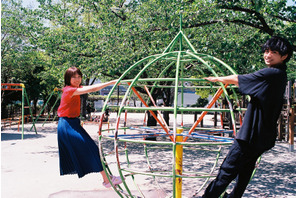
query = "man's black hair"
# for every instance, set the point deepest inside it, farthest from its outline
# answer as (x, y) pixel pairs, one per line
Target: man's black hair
(279, 44)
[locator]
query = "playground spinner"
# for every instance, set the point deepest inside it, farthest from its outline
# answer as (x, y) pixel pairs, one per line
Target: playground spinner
(176, 69)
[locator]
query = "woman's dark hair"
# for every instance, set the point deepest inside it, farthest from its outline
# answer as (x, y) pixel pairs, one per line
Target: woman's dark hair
(279, 44)
(69, 73)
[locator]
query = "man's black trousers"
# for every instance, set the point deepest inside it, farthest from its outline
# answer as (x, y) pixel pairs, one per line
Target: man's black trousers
(239, 163)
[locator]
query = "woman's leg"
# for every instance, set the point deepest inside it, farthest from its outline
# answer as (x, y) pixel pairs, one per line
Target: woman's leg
(115, 180)
(104, 176)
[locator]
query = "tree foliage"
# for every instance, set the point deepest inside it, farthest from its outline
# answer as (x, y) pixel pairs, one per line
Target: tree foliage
(104, 38)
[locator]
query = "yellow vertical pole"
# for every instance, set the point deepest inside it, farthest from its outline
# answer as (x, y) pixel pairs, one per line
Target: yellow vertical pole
(179, 164)
(291, 127)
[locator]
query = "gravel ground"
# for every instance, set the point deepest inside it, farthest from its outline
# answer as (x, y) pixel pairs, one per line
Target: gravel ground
(30, 167)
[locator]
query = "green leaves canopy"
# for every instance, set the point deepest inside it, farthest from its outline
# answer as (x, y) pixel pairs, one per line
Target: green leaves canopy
(105, 37)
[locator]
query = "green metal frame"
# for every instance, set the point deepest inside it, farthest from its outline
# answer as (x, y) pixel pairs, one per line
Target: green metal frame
(55, 91)
(24, 95)
(178, 59)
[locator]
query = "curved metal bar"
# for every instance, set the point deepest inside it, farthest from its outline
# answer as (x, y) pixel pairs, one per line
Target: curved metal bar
(234, 93)
(159, 77)
(122, 105)
(179, 109)
(150, 167)
(214, 99)
(132, 176)
(163, 79)
(105, 167)
(123, 75)
(180, 58)
(153, 114)
(223, 87)
(227, 96)
(212, 170)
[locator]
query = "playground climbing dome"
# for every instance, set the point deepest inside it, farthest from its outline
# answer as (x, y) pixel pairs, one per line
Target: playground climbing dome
(178, 67)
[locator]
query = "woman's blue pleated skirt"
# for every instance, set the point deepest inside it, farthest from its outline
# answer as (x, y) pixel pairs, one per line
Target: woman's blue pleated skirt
(78, 153)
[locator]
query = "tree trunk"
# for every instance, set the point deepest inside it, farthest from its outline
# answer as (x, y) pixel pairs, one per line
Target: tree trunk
(84, 105)
(167, 102)
(166, 117)
(35, 107)
(151, 121)
(84, 99)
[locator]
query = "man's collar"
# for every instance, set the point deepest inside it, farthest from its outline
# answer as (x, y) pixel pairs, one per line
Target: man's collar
(281, 66)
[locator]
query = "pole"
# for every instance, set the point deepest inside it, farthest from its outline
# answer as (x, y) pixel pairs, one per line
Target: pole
(29, 105)
(178, 164)
(23, 111)
(34, 121)
(291, 128)
(58, 98)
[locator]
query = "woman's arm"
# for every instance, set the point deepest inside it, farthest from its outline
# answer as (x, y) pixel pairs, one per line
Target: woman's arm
(232, 79)
(93, 88)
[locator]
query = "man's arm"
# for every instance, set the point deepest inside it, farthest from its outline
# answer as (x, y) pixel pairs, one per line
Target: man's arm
(232, 79)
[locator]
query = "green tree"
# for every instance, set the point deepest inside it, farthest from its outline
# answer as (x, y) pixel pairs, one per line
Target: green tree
(21, 61)
(104, 38)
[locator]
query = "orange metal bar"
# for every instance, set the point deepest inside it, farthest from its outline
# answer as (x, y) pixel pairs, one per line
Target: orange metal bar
(125, 122)
(11, 89)
(100, 124)
(153, 114)
(12, 84)
(144, 119)
(8, 86)
(214, 99)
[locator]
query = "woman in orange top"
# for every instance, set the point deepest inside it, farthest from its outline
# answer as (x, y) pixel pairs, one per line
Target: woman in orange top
(78, 153)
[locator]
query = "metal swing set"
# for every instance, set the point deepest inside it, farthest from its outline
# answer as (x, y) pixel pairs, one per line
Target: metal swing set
(21, 119)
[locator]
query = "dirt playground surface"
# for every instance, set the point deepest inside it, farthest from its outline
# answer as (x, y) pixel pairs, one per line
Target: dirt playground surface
(30, 167)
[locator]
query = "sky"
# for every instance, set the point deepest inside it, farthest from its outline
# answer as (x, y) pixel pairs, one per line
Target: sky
(30, 3)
